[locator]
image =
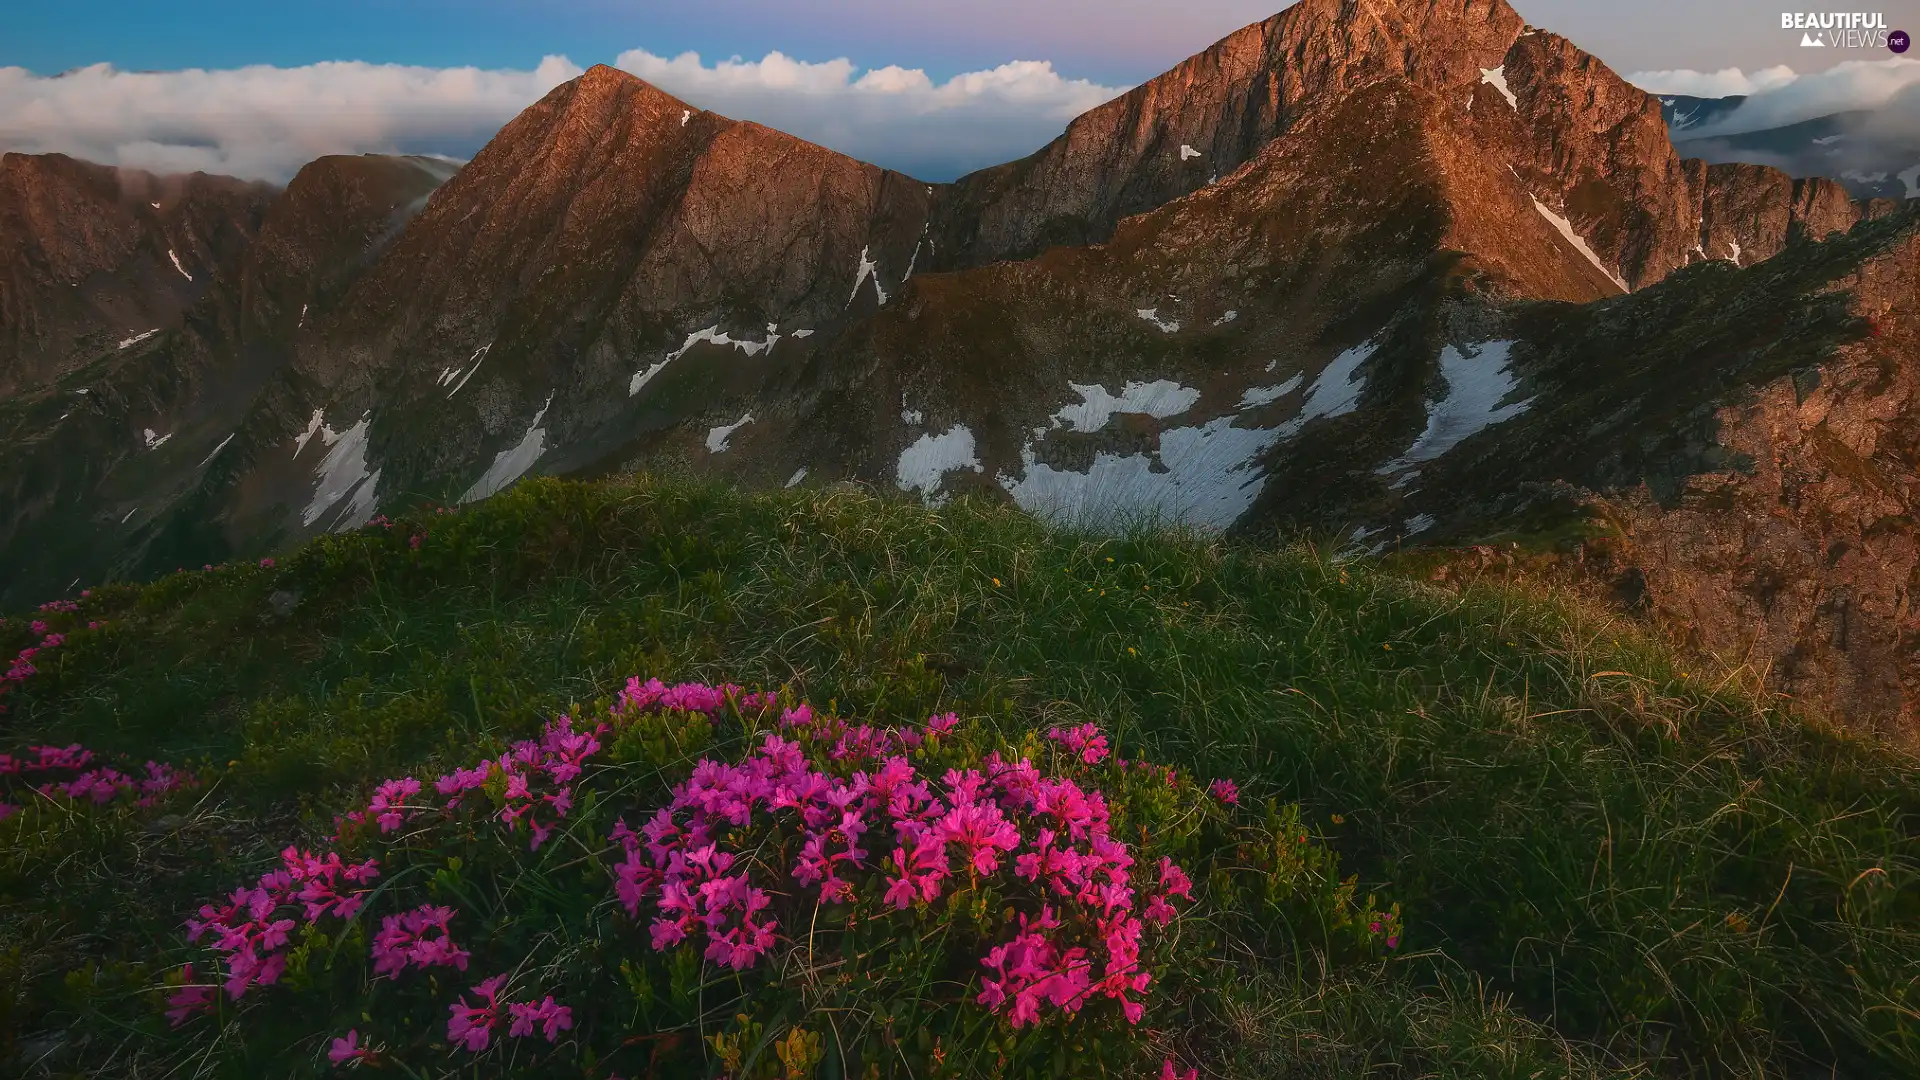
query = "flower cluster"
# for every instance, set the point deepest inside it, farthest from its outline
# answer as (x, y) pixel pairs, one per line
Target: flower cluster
(866, 813)
(22, 669)
(1085, 741)
(818, 821)
(253, 929)
(472, 1026)
(419, 938)
(74, 773)
(537, 777)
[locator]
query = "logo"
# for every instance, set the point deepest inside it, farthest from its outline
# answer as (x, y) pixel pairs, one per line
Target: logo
(1843, 30)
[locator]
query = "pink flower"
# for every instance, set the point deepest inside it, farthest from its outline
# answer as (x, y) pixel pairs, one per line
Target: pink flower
(1085, 741)
(1169, 1071)
(553, 1019)
(471, 1026)
(404, 940)
(347, 1048)
(266, 564)
(188, 1000)
(1226, 791)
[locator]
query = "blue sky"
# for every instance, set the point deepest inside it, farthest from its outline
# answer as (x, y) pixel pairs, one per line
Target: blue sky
(1115, 41)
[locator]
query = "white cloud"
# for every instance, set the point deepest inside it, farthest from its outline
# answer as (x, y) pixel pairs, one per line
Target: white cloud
(1779, 96)
(1727, 82)
(264, 122)
(893, 116)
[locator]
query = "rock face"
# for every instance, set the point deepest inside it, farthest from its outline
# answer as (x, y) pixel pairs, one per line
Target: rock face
(112, 456)
(1597, 148)
(1389, 270)
(91, 256)
(604, 236)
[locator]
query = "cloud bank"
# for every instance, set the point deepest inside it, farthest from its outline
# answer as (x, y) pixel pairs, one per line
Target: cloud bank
(264, 122)
(1778, 96)
(892, 116)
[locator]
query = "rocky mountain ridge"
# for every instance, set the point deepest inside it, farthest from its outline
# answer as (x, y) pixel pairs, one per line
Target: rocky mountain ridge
(1297, 281)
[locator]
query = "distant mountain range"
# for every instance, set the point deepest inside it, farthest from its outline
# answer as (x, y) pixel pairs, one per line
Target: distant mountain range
(1874, 159)
(1432, 275)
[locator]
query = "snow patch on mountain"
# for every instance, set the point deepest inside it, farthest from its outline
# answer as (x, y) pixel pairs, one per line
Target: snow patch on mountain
(867, 269)
(1226, 318)
(712, 335)
(924, 466)
(1734, 246)
(137, 339)
(216, 451)
(1207, 476)
(314, 423)
(1580, 245)
(1259, 396)
(177, 266)
(512, 463)
(1159, 399)
(343, 474)
(1419, 523)
(1188, 153)
(1477, 382)
(473, 364)
(794, 480)
(717, 438)
(1497, 78)
(1336, 391)
(1911, 178)
(910, 417)
(1152, 315)
(155, 442)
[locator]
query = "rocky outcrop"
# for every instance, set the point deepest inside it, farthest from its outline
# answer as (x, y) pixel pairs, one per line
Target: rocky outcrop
(108, 471)
(91, 256)
(610, 233)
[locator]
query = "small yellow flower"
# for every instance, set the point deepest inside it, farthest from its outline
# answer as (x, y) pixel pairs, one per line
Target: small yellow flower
(1387, 646)
(996, 583)
(1109, 558)
(1338, 819)
(1130, 651)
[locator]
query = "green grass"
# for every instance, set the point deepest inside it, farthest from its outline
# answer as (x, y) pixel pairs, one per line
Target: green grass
(1611, 863)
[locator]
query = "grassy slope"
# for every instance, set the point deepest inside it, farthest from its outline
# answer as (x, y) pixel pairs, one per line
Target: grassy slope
(1658, 871)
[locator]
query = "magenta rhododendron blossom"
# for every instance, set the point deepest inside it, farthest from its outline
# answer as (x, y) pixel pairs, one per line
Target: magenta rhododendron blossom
(419, 938)
(551, 1019)
(1085, 741)
(188, 1000)
(252, 930)
(471, 1026)
(1226, 791)
(816, 821)
(1170, 1071)
(347, 1048)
